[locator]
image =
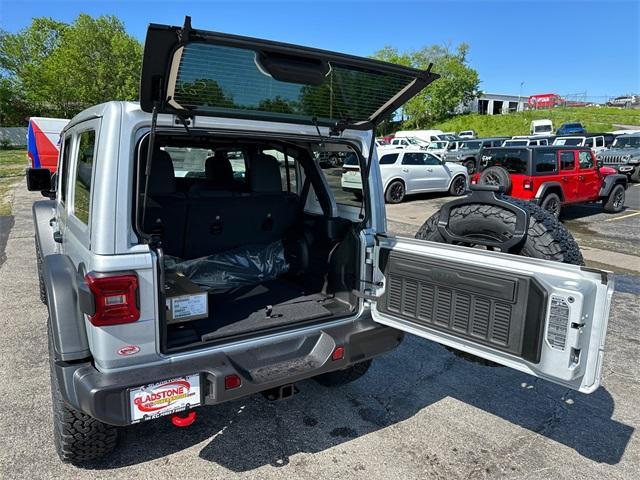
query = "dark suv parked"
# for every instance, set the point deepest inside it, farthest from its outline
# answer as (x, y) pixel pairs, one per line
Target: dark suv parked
(469, 152)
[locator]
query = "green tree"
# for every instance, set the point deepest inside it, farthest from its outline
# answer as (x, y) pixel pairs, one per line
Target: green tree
(458, 82)
(60, 69)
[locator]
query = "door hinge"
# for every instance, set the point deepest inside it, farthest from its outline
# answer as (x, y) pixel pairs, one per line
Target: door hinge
(367, 294)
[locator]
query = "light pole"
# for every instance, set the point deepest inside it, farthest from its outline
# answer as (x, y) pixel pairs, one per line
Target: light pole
(520, 94)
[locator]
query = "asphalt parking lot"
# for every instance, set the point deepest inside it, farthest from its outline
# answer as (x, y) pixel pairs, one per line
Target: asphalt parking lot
(420, 412)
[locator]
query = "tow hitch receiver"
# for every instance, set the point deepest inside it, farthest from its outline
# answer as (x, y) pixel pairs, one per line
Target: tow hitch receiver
(281, 393)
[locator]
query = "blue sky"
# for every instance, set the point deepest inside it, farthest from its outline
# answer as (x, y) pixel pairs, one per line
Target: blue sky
(551, 46)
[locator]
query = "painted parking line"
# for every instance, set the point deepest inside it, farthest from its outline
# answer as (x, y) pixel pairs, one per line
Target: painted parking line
(623, 216)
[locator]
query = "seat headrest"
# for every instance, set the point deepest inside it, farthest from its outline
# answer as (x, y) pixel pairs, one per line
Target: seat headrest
(219, 171)
(162, 179)
(265, 174)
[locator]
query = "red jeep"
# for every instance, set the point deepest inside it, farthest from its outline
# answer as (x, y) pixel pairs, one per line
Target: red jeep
(552, 176)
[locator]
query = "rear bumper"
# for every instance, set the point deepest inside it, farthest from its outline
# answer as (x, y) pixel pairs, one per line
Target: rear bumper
(261, 366)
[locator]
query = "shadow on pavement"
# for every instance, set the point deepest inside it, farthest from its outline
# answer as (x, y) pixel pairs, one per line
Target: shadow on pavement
(245, 435)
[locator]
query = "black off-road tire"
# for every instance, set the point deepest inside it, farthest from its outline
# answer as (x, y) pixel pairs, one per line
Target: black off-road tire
(614, 202)
(396, 191)
(41, 287)
(342, 377)
(496, 176)
(547, 238)
(458, 186)
(78, 438)
(552, 204)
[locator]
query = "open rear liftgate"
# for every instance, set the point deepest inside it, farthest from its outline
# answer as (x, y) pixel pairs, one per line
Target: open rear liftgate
(545, 318)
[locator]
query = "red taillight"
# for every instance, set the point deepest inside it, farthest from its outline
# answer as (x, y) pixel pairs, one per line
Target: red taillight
(232, 381)
(527, 184)
(115, 299)
(338, 353)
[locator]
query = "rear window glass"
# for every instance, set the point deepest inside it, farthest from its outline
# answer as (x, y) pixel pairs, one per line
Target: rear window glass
(389, 159)
(471, 145)
(84, 169)
(217, 78)
(545, 162)
(514, 161)
(572, 142)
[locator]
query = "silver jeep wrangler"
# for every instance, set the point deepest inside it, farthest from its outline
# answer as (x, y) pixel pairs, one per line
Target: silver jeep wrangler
(192, 251)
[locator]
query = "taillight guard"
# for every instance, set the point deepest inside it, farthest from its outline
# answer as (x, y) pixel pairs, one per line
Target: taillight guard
(115, 298)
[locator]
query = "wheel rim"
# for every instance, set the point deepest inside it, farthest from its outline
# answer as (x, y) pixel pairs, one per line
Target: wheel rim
(458, 186)
(618, 200)
(397, 192)
(553, 206)
(492, 179)
(471, 168)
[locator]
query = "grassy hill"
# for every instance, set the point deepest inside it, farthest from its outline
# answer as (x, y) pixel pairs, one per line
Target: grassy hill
(595, 119)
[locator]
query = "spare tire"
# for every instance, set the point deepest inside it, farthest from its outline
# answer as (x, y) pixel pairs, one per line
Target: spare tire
(547, 237)
(496, 176)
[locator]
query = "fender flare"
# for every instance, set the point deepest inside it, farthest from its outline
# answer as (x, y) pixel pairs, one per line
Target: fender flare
(63, 283)
(544, 188)
(392, 179)
(610, 181)
(456, 175)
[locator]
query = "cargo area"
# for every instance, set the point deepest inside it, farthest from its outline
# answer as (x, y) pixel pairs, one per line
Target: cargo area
(251, 229)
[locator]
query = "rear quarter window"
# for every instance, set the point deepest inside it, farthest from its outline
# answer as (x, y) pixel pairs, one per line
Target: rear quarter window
(514, 161)
(545, 163)
(388, 159)
(84, 170)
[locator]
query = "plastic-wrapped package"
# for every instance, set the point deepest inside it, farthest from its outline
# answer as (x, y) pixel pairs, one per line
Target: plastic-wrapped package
(247, 265)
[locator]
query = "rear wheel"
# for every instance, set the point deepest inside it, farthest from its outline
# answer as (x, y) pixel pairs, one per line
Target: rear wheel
(470, 165)
(614, 203)
(395, 192)
(342, 377)
(547, 238)
(458, 186)
(551, 203)
(78, 437)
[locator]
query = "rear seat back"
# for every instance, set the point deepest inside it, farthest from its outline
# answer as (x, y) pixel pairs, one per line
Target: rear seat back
(166, 210)
(221, 220)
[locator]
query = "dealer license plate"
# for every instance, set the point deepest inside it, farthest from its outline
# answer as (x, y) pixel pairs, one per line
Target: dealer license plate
(164, 398)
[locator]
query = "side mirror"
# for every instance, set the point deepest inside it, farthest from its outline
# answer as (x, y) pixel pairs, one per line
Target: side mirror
(599, 163)
(39, 180)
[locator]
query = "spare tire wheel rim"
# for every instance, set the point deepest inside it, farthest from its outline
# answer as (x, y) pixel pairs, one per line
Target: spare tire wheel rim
(492, 179)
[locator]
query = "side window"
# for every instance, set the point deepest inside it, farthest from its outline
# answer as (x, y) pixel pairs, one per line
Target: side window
(431, 160)
(545, 162)
(64, 172)
(413, 159)
(599, 141)
(84, 168)
(389, 159)
(567, 161)
(588, 142)
(345, 182)
(586, 160)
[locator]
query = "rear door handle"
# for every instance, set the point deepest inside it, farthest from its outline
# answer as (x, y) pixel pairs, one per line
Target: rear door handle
(580, 177)
(564, 179)
(429, 169)
(405, 169)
